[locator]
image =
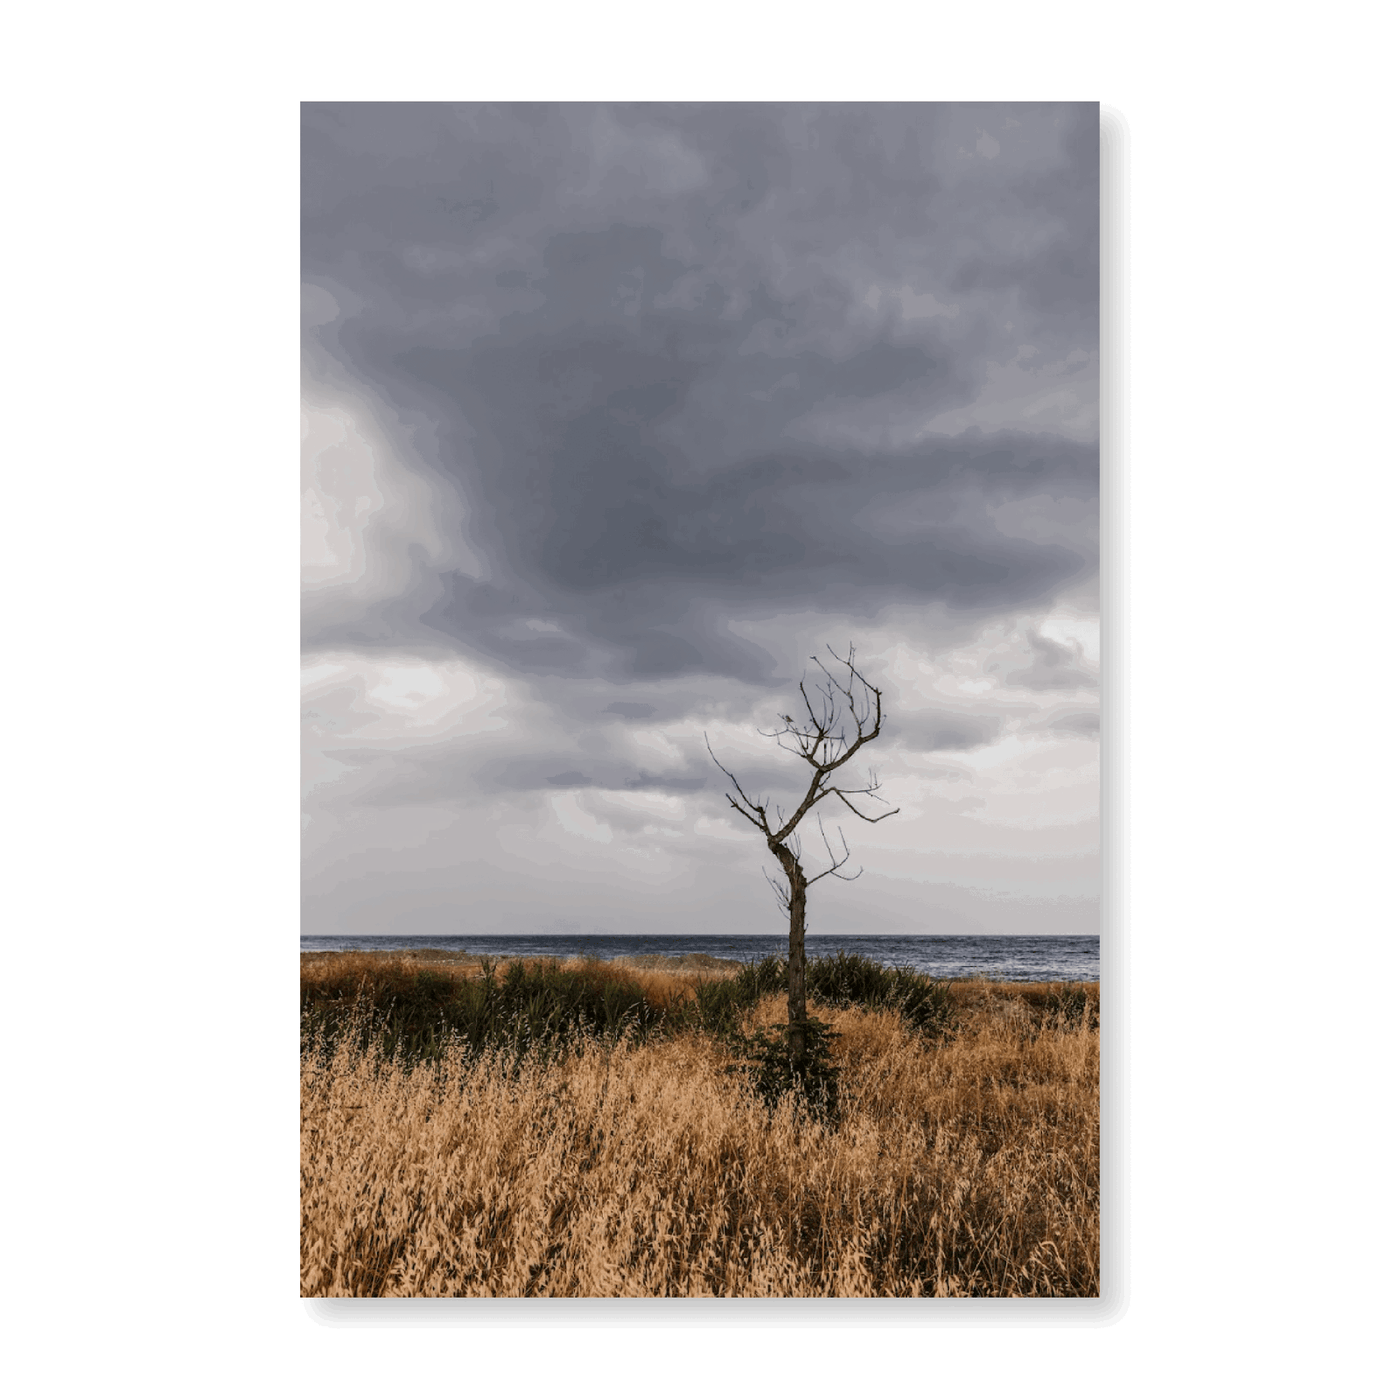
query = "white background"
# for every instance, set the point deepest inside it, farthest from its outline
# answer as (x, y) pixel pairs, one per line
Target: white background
(151, 684)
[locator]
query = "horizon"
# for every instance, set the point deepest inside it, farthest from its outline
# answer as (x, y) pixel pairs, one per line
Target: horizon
(778, 935)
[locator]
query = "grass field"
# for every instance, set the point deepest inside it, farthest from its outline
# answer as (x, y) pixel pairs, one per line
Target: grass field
(592, 1138)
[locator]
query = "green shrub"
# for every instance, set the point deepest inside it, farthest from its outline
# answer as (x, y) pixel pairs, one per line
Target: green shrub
(851, 979)
(541, 1008)
(716, 1006)
(776, 1074)
(848, 979)
(759, 979)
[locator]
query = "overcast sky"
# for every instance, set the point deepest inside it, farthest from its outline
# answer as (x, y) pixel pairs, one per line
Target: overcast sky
(614, 415)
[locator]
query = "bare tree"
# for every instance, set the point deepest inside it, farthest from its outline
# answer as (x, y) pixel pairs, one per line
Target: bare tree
(843, 715)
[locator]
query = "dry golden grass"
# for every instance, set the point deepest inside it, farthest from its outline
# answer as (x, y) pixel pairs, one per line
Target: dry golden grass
(321, 973)
(962, 1168)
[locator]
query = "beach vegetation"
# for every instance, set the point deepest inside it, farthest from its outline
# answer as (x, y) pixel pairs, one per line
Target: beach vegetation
(605, 1143)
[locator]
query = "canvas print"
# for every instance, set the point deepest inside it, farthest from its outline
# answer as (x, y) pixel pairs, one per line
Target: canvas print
(701, 721)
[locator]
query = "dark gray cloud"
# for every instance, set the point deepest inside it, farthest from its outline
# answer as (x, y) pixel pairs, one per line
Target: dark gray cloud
(1083, 722)
(1055, 667)
(464, 772)
(936, 731)
(674, 362)
(632, 709)
(615, 414)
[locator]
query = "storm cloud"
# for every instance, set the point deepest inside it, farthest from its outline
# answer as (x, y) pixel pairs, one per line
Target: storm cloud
(619, 412)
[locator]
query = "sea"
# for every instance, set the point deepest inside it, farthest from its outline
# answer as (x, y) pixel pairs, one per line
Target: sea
(1019, 958)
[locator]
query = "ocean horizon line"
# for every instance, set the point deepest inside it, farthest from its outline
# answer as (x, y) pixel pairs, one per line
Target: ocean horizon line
(1022, 957)
(783, 936)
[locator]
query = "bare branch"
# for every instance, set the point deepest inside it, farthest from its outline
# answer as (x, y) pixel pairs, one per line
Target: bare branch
(836, 861)
(784, 897)
(859, 813)
(744, 814)
(759, 816)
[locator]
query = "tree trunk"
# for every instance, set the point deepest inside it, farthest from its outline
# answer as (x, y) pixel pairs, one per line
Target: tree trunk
(797, 956)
